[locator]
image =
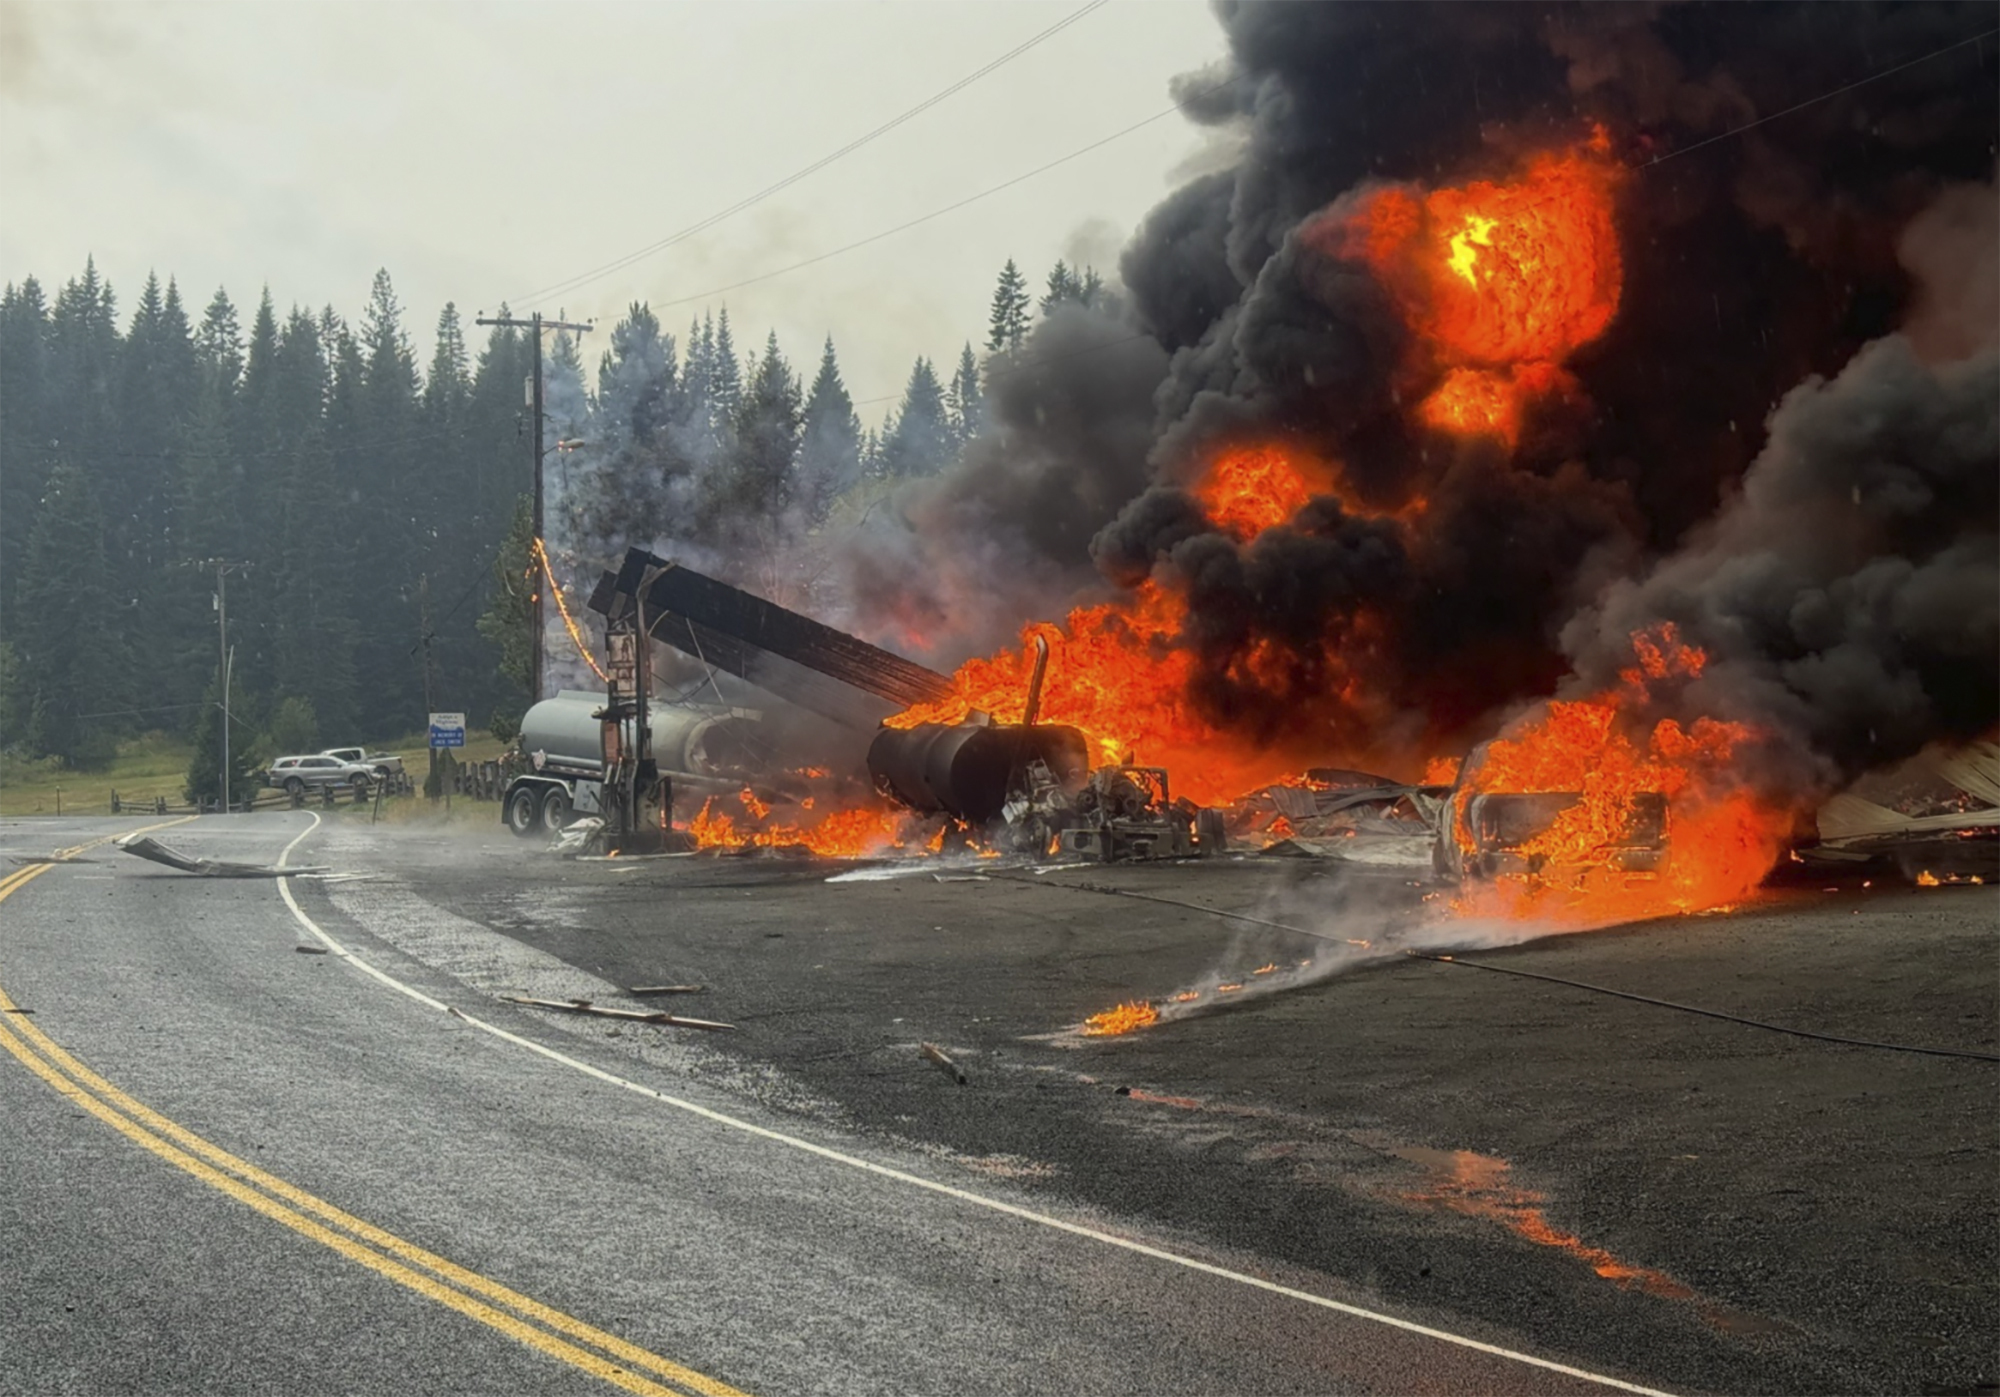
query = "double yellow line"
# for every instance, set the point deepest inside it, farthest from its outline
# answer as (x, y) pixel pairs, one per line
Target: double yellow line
(551, 1331)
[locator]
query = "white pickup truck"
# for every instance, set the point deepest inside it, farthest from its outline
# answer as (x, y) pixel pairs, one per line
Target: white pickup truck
(383, 764)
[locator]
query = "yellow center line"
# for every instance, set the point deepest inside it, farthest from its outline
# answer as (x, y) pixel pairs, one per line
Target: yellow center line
(367, 1243)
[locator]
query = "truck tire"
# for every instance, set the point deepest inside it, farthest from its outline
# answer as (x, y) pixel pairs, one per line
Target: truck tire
(1210, 833)
(555, 810)
(360, 789)
(523, 808)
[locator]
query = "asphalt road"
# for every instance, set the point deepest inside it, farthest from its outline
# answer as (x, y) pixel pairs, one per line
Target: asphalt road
(233, 1167)
(1701, 1205)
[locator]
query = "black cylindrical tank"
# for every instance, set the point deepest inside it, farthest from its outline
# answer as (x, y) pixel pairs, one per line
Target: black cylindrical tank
(967, 770)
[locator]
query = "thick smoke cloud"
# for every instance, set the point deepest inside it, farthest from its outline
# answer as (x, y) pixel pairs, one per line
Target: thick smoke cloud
(1849, 597)
(955, 565)
(1752, 379)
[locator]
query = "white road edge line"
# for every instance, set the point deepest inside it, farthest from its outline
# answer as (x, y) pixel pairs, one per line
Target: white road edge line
(931, 1185)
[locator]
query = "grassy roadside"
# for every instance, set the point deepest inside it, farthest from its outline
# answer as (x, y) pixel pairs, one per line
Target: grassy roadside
(155, 764)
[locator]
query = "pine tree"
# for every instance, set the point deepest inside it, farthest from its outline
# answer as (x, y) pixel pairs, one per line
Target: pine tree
(311, 575)
(767, 425)
(1009, 324)
(919, 441)
(204, 776)
(157, 385)
(635, 380)
(219, 341)
(966, 401)
(70, 637)
(1063, 287)
(727, 388)
(449, 382)
(84, 350)
(25, 408)
(205, 514)
(508, 621)
(387, 519)
(830, 441)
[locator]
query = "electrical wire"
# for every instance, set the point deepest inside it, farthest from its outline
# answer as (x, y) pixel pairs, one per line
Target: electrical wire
(1107, 889)
(948, 208)
(1823, 97)
(618, 264)
(575, 635)
(1708, 1013)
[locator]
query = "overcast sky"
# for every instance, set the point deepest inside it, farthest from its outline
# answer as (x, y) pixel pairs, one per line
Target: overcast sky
(484, 151)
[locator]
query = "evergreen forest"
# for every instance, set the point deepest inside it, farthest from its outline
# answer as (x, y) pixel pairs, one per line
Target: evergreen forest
(366, 514)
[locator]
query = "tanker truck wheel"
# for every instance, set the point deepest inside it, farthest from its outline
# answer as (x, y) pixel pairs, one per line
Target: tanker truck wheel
(522, 809)
(555, 810)
(1211, 834)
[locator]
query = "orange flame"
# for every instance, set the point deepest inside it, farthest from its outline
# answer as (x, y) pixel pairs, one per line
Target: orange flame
(1501, 282)
(1477, 1186)
(1125, 1018)
(1248, 489)
(838, 834)
(1722, 839)
(1118, 671)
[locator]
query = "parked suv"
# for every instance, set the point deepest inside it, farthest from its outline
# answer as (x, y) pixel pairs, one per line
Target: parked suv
(296, 774)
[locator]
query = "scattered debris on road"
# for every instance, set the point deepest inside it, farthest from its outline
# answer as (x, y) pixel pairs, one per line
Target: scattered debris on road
(310, 950)
(944, 1061)
(148, 848)
(584, 1006)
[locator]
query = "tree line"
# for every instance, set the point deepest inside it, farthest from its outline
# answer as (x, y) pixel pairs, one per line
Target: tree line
(370, 512)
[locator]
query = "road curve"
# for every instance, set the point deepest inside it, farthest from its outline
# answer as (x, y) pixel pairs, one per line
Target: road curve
(233, 1167)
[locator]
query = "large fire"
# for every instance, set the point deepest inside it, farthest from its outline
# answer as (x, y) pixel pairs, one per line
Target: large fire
(1721, 838)
(1501, 282)
(1117, 670)
(1249, 489)
(849, 833)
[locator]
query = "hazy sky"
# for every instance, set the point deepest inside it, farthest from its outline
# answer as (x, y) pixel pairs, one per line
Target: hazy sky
(484, 151)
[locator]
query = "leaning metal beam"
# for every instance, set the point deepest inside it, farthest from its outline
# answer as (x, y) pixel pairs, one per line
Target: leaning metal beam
(793, 656)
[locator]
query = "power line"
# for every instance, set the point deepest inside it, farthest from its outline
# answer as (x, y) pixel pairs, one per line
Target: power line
(949, 208)
(1039, 361)
(1112, 344)
(1823, 97)
(618, 264)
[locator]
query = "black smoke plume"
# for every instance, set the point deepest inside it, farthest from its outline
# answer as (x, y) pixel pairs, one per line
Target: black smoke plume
(1753, 374)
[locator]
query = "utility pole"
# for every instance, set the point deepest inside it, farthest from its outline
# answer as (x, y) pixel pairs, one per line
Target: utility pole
(424, 639)
(223, 568)
(534, 324)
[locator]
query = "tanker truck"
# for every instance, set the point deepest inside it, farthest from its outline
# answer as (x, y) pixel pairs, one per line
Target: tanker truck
(710, 747)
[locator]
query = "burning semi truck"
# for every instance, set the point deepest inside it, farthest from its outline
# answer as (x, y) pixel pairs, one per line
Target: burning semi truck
(1026, 786)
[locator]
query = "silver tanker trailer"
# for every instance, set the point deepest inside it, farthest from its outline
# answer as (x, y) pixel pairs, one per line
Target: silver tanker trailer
(707, 746)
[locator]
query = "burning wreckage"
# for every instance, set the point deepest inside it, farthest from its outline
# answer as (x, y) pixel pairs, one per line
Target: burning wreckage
(1419, 442)
(1026, 788)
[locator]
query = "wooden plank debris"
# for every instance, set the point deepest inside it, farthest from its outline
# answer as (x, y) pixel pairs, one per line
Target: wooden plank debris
(944, 1061)
(664, 989)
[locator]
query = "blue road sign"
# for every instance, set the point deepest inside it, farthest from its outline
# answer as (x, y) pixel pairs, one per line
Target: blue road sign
(447, 729)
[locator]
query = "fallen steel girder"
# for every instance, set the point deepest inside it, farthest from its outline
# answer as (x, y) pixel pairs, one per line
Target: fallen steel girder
(795, 657)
